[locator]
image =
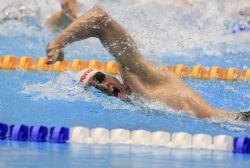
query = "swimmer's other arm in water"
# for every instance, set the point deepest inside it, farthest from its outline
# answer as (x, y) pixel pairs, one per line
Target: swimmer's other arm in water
(138, 75)
(62, 19)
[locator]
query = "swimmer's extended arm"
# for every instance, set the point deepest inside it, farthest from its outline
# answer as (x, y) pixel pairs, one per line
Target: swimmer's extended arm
(97, 23)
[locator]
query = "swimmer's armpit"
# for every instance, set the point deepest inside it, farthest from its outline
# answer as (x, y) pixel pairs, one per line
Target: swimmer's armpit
(244, 116)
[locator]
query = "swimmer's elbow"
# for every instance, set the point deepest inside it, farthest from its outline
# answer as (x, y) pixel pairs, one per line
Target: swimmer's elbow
(100, 9)
(99, 13)
(205, 113)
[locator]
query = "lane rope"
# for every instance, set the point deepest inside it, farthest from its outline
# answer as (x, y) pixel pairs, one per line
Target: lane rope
(180, 140)
(9, 62)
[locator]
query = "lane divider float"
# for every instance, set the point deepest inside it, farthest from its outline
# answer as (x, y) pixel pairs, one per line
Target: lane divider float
(9, 62)
(181, 140)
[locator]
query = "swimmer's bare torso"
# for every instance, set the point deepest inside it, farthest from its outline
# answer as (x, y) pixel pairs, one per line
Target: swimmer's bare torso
(137, 74)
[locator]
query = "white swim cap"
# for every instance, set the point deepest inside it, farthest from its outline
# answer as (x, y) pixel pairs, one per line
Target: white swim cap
(84, 75)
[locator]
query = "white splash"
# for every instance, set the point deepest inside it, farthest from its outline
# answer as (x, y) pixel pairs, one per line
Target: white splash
(61, 88)
(158, 26)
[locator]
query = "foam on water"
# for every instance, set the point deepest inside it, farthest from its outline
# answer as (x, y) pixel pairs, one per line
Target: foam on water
(61, 88)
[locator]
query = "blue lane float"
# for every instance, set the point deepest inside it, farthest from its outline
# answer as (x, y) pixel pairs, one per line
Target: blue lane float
(240, 28)
(3, 131)
(59, 134)
(241, 145)
(19, 132)
(38, 133)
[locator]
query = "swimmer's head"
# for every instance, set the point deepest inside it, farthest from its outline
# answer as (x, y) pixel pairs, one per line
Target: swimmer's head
(106, 83)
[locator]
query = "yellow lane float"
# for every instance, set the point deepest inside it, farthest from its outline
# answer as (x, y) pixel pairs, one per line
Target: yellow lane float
(9, 62)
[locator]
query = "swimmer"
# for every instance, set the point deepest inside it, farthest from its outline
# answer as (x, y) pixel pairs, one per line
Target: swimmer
(138, 75)
(62, 19)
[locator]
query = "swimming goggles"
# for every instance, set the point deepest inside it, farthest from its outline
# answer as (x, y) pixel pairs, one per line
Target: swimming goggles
(100, 77)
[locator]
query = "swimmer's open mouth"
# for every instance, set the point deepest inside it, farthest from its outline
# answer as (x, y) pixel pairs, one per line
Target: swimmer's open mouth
(116, 92)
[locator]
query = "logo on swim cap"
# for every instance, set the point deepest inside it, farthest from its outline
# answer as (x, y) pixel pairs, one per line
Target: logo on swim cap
(84, 75)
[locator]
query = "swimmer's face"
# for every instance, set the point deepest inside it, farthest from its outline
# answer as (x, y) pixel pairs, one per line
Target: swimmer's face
(107, 84)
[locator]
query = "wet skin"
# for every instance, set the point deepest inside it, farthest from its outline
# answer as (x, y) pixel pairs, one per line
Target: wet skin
(138, 75)
(109, 85)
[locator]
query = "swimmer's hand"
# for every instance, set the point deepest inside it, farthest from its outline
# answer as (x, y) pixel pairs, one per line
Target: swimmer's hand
(54, 53)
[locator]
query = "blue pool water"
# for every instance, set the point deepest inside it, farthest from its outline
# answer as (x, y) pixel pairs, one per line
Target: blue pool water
(56, 155)
(52, 98)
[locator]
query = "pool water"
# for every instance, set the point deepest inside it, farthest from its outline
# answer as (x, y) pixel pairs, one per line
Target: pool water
(52, 98)
(22, 154)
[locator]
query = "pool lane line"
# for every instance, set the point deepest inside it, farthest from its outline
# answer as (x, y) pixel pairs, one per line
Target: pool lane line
(180, 140)
(9, 62)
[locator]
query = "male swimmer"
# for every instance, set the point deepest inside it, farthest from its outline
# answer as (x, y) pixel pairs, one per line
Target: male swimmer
(138, 75)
